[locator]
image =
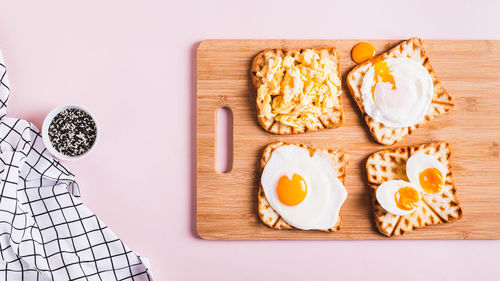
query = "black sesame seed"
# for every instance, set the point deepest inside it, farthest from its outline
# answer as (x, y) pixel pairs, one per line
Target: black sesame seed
(72, 132)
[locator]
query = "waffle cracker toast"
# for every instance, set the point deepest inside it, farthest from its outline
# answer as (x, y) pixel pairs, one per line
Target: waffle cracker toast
(441, 100)
(333, 118)
(390, 164)
(267, 214)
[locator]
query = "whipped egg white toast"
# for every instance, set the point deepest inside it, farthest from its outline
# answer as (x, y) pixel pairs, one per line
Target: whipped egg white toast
(398, 91)
(412, 187)
(302, 187)
(298, 90)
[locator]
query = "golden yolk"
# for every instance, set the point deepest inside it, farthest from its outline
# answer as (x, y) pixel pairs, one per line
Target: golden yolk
(291, 191)
(407, 198)
(382, 74)
(431, 180)
(362, 52)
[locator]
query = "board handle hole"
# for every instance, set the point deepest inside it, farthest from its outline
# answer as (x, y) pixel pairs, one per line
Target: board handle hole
(224, 140)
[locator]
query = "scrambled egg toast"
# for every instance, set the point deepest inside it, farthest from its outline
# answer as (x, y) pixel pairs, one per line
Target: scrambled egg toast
(298, 90)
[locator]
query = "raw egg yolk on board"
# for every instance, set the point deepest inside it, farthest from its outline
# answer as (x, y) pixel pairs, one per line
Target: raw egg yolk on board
(291, 191)
(431, 180)
(407, 198)
(362, 52)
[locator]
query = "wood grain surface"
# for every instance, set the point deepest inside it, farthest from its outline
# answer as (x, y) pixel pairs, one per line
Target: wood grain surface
(227, 202)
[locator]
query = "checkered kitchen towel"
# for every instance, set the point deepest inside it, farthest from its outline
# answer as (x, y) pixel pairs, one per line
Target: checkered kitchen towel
(46, 233)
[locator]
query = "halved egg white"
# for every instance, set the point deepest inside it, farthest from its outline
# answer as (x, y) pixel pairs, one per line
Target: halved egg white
(386, 196)
(420, 162)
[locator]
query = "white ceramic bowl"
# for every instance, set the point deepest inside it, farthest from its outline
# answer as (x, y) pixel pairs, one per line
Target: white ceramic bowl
(45, 132)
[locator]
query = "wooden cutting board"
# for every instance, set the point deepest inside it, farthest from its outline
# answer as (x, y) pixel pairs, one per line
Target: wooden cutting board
(226, 202)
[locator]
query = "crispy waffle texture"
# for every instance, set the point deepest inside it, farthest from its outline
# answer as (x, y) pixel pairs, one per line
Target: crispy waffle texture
(441, 100)
(267, 214)
(333, 118)
(438, 208)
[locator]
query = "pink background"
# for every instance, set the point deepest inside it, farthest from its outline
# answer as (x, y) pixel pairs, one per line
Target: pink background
(132, 63)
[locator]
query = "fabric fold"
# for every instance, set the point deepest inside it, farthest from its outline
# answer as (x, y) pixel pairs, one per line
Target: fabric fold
(46, 232)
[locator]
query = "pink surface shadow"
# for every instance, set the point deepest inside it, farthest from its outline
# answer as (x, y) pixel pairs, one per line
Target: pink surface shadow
(192, 139)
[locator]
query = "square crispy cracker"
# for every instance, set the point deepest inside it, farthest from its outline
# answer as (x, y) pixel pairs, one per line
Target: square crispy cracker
(390, 164)
(441, 100)
(267, 214)
(331, 119)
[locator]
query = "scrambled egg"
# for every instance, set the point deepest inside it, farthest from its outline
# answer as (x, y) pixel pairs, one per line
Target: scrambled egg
(297, 90)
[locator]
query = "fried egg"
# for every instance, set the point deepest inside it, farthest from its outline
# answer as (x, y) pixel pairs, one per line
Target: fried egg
(399, 197)
(427, 172)
(303, 188)
(397, 92)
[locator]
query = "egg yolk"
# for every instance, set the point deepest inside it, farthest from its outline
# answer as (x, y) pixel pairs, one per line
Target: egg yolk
(431, 180)
(382, 74)
(291, 191)
(362, 52)
(407, 198)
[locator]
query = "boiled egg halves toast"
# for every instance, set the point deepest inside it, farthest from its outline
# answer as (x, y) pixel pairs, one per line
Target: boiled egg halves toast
(412, 187)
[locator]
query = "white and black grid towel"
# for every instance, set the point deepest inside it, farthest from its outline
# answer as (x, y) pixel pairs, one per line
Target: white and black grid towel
(46, 233)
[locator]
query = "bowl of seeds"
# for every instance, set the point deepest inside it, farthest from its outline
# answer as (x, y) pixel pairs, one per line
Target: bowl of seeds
(70, 132)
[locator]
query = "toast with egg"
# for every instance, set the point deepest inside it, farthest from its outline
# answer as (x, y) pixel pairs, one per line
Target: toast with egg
(267, 214)
(441, 101)
(438, 208)
(298, 90)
